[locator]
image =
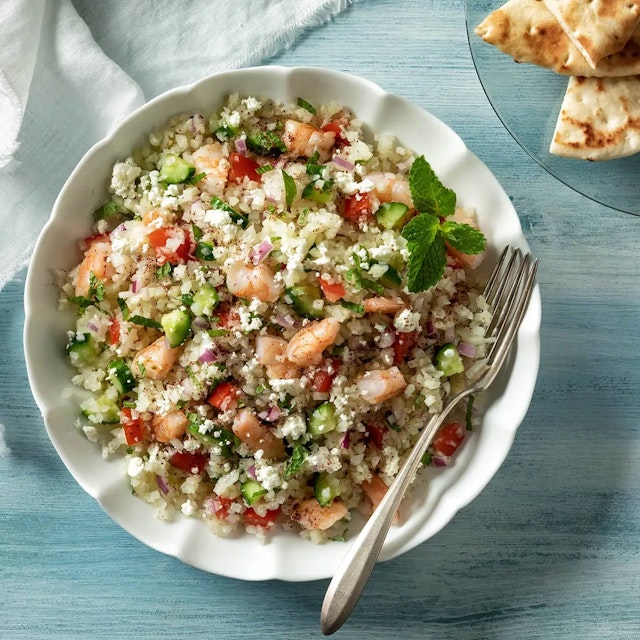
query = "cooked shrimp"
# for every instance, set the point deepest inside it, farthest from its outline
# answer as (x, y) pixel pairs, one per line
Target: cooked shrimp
(271, 352)
(170, 426)
(472, 261)
(306, 347)
(304, 140)
(310, 515)
(96, 261)
(376, 489)
(155, 361)
(383, 305)
(389, 188)
(249, 281)
(257, 436)
(210, 160)
(381, 384)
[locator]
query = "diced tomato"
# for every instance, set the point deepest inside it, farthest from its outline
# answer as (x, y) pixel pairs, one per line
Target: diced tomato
(189, 462)
(375, 435)
(242, 166)
(95, 238)
(322, 378)
(403, 343)
(224, 396)
(227, 316)
(133, 431)
(114, 331)
(333, 291)
(448, 438)
(252, 519)
(221, 507)
(172, 244)
(357, 208)
(334, 126)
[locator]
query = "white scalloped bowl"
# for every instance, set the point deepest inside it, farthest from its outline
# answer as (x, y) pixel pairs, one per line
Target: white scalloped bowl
(286, 556)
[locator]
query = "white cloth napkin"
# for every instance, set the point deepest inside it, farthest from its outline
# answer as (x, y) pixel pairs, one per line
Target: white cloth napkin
(71, 72)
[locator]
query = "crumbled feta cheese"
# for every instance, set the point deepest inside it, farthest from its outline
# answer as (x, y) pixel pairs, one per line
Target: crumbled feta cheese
(294, 427)
(135, 467)
(406, 321)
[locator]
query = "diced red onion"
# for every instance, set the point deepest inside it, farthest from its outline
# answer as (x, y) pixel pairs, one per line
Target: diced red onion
(345, 164)
(199, 323)
(466, 349)
(271, 200)
(288, 322)
(241, 146)
(273, 413)
(211, 505)
(134, 285)
(207, 356)
(92, 326)
(440, 460)
(121, 227)
(449, 334)
(344, 443)
(162, 485)
(251, 471)
(431, 330)
(260, 252)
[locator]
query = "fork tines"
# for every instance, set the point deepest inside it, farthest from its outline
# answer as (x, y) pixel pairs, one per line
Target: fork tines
(508, 292)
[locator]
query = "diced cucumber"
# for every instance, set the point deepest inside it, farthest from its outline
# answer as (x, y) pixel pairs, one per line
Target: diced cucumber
(321, 196)
(101, 410)
(265, 143)
(323, 419)
(174, 169)
(176, 325)
(325, 489)
(252, 492)
(391, 214)
(302, 299)
(205, 301)
(121, 376)
(83, 350)
(236, 216)
(391, 278)
(448, 360)
(224, 440)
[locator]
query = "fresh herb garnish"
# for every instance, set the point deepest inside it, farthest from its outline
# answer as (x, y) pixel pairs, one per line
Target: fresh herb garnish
(306, 105)
(164, 270)
(197, 232)
(426, 233)
(302, 218)
(353, 307)
(195, 179)
(204, 251)
(236, 216)
(264, 168)
(290, 189)
(145, 322)
(94, 295)
(217, 333)
(224, 132)
(123, 308)
(295, 462)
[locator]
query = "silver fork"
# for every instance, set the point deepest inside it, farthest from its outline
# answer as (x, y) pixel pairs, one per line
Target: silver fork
(508, 292)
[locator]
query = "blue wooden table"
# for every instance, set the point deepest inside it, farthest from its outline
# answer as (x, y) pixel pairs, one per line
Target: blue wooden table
(550, 549)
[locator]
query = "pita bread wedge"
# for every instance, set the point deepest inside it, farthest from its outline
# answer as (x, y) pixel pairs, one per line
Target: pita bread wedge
(528, 32)
(599, 119)
(598, 28)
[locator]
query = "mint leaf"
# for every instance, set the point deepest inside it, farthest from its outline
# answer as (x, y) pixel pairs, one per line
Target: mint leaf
(463, 237)
(289, 188)
(294, 464)
(429, 195)
(426, 252)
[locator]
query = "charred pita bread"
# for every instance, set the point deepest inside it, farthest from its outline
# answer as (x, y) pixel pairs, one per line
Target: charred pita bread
(599, 119)
(598, 28)
(528, 32)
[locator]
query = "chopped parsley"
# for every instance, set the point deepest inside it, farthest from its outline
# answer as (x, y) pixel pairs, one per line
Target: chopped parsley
(307, 106)
(145, 322)
(264, 169)
(295, 462)
(290, 189)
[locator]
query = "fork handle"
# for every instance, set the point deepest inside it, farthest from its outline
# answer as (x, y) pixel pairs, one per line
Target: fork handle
(356, 567)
